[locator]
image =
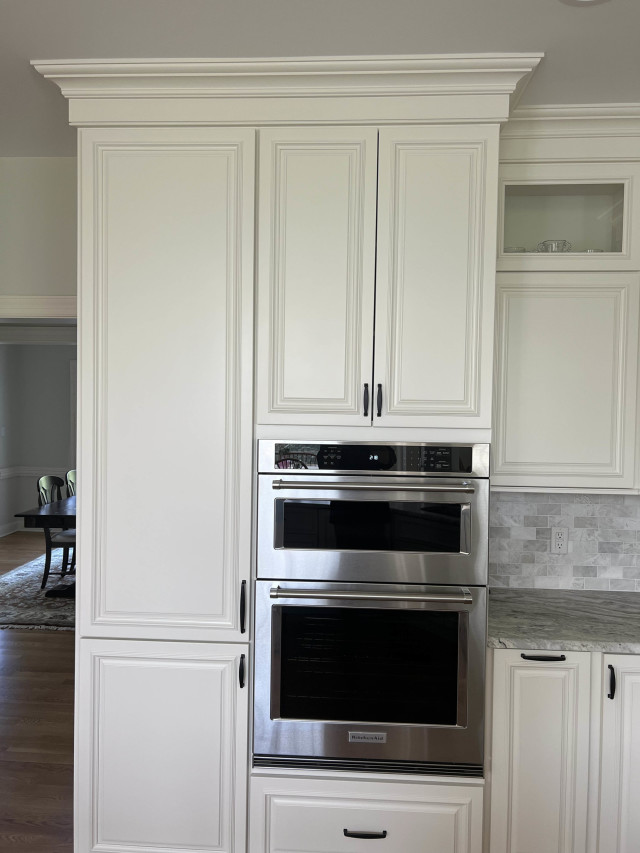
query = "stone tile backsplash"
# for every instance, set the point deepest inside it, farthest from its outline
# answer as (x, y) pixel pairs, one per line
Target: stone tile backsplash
(603, 546)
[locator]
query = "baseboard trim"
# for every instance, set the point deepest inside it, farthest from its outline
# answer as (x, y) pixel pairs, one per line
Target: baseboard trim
(11, 527)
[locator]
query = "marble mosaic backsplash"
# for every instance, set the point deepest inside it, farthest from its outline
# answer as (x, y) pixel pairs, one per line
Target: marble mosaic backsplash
(603, 544)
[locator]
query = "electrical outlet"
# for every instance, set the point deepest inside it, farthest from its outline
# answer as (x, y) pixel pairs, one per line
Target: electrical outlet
(559, 540)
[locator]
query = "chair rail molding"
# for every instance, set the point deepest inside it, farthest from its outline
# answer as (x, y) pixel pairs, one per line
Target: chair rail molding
(347, 89)
(36, 307)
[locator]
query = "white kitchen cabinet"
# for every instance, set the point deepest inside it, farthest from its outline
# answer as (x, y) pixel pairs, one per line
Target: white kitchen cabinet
(330, 813)
(566, 380)
(162, 747)
(619, 807)
(433, 276)
(540, 752)
(166, 380)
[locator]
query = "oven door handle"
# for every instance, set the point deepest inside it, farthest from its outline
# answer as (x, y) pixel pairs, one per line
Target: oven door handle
(369, 487)
(461, 597)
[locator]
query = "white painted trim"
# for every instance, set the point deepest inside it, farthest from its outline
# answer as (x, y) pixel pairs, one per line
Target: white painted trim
(480, 73)
(11, 527)
(33, 307)
(337, 90)
(31, 471)
(49, 335)
(557, 112)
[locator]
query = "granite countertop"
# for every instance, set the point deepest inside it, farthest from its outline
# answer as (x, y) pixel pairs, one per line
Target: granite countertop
(570, 620)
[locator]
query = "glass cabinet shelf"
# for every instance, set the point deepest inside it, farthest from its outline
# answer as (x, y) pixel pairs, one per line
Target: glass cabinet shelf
(571, 218)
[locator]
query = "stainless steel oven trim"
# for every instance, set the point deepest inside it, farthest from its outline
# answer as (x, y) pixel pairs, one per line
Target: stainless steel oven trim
(479, 465)
(449, 597)
(369, 487)
(469, 566)
(277, 739)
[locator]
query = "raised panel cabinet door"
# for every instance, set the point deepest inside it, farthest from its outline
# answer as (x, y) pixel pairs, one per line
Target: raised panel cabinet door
(166, 383)
(540, 752)
(619, 812)
(435, 279)
(566, 373)
(316, 267)
(162, 747)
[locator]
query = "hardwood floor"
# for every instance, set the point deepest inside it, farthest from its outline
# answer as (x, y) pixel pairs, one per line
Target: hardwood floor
(36, 727)
(20, 548)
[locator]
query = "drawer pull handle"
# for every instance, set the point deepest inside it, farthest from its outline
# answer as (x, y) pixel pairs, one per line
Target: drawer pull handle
(558, 658)
(350, 834)
(612, 683)
(366, 399)
(379, 401)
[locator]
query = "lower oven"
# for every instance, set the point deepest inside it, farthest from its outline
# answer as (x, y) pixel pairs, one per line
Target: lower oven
(386, 677)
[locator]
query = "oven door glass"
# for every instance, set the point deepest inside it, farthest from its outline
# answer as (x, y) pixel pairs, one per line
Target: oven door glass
(371, 525)
(369, 665)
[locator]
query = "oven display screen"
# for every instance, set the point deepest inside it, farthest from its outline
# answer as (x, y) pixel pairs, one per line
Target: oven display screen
(369, 665)
(342, 525)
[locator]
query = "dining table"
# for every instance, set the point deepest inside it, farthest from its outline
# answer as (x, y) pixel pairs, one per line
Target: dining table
(58, 514)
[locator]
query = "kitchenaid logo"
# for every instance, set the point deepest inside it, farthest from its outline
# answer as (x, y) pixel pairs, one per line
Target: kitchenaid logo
(367, 737)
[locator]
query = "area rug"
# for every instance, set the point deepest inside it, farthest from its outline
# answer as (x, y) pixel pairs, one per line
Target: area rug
(24, 605)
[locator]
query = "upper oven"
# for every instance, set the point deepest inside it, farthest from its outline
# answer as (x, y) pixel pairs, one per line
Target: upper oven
(364, 512)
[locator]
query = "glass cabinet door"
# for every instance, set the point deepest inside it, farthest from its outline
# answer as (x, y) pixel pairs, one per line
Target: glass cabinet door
(566, 216)
(563, 218)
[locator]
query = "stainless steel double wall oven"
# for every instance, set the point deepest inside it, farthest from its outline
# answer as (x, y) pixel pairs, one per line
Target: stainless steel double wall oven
(371, 606)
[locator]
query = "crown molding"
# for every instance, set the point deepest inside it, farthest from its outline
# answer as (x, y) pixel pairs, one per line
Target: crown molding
(234, 90)
(486, 73)
(571, 120)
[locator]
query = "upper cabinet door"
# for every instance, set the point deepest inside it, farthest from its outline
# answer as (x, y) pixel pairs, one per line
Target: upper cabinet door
(436, 275)
(566, 380)
(166, 349)
(316, 268)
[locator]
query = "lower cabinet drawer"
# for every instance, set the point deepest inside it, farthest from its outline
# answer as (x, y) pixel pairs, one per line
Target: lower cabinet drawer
(329, 815)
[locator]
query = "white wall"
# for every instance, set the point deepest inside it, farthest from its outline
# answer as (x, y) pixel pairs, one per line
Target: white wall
(37, 226)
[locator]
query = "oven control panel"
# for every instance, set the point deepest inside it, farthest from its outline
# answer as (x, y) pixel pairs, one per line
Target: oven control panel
(393, 458)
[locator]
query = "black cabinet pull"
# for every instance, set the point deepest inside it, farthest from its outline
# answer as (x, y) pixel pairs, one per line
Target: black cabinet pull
(379, 400)
(366, 399)
(241, 671)
(243, 606)
(351, 834)
(612, 682)
(547, 658)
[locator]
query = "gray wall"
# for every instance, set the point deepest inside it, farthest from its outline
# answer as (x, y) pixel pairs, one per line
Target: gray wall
(35, 411)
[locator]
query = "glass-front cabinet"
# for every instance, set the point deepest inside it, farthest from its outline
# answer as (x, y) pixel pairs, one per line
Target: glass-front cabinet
(568, 216)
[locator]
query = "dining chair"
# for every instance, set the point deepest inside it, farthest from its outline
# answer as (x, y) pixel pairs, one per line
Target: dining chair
(49, 490)
(71, 482)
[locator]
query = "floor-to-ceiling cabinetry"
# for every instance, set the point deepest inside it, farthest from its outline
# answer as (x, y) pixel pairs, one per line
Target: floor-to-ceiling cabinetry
(567, 318)
(375, 198)
(165, 508)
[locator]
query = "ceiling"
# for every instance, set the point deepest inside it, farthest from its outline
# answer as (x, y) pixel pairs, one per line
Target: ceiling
(592, 53)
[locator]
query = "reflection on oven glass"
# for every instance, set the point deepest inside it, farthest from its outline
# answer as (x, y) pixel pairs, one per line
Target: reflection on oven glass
(369, 665)
(371, 526)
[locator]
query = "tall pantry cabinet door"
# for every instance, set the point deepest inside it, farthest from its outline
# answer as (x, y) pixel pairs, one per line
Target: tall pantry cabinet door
(162, 747)
(620, 760)
(436, 275)
(316, 267)
(165, 426)
(540, 752)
